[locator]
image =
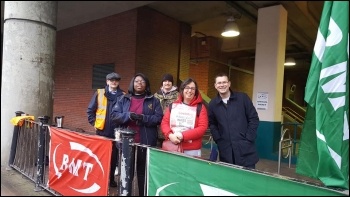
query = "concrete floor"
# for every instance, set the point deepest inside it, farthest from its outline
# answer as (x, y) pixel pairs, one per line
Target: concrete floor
(14, 183)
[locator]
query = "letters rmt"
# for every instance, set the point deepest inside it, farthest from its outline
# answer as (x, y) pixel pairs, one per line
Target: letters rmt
(75, 166)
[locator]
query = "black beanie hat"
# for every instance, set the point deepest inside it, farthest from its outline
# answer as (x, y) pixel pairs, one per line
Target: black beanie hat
(168, 77)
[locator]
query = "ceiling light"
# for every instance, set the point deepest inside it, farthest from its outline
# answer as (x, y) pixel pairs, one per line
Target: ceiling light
(290, 61)
(231, 28)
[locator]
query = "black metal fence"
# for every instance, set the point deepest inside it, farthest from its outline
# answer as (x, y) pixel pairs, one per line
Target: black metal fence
(29, 155)
(29, 151)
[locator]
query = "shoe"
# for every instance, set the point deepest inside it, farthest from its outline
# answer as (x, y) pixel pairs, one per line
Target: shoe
(116, 172)
(113, 184)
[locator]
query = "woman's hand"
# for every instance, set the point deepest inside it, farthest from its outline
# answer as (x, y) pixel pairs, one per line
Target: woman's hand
(174, 139)
(179, 136)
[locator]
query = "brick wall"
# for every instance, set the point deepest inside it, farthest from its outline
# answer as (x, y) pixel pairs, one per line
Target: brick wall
(135, 41)
(107, 40)
(207, 61)
(185, 51)
(139, 40)
(199, 72)
(162, 46)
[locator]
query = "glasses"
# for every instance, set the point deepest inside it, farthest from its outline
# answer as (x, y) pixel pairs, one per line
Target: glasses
(190, 88)
(141, 81)
(222, 83)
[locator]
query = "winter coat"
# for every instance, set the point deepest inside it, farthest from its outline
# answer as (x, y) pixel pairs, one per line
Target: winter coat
(234, 128)
(166, 99)
(152, 116)
(192, 138)
(108, 130)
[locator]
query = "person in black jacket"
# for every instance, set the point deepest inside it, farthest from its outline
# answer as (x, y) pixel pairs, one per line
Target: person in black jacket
(98, 112)
(233, 123)
(140, 111)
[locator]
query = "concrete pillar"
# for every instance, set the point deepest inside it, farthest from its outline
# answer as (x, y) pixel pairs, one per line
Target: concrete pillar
(268, 77)
(28, 61)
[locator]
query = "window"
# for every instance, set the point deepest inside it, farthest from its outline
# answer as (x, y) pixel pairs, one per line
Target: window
(99, 73)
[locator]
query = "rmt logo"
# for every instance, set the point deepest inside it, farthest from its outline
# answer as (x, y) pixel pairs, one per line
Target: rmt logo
(79, 161)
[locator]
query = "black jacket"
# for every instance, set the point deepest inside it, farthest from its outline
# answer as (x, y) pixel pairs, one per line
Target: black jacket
(234, 128)
(152, 112)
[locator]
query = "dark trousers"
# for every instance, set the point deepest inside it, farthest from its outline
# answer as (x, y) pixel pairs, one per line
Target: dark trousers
(231, 160)
(140, 169)
(252, 166)
(114, 161)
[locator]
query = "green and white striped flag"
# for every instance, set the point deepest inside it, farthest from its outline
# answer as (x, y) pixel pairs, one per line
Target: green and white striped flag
(324, 145)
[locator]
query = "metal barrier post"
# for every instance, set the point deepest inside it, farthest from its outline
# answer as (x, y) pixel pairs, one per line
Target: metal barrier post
(281, 147)
(127, 160)
(14, 141)
(41, 152)
(294, 138)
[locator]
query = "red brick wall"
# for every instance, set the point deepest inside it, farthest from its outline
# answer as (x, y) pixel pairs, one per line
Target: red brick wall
(185, 51)
(159, 39)
(139, 40)
(108, 40)
(199, 72)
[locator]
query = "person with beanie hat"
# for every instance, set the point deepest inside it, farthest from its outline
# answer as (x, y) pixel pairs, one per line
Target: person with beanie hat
(168, 77)
(166, 94)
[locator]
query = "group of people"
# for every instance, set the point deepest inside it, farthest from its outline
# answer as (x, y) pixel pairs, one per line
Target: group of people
(174, 114)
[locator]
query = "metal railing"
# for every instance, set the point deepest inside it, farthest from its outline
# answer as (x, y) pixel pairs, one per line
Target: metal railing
(285, 143)
(295, 129)
(292, 114)
(29, 155)
(29, 151)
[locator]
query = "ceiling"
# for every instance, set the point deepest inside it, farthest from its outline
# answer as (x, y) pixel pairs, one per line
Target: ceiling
(208, 18)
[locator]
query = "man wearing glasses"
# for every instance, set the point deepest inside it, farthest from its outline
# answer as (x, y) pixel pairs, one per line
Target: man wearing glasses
(233, 123)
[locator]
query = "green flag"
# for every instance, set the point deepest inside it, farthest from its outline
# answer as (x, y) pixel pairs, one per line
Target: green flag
(171, 174)
(324, 146)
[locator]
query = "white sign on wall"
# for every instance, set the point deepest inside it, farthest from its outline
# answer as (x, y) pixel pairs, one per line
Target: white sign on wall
(262, 100)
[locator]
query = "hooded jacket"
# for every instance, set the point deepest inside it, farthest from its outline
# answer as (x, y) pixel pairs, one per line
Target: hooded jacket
(192, 138)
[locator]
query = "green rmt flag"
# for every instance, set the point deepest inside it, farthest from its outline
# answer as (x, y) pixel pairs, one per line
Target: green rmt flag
(324, 145)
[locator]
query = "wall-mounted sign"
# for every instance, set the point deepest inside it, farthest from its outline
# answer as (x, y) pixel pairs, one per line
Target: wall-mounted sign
(262, 100)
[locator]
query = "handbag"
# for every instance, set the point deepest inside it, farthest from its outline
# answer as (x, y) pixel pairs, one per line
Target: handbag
(171, 147)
